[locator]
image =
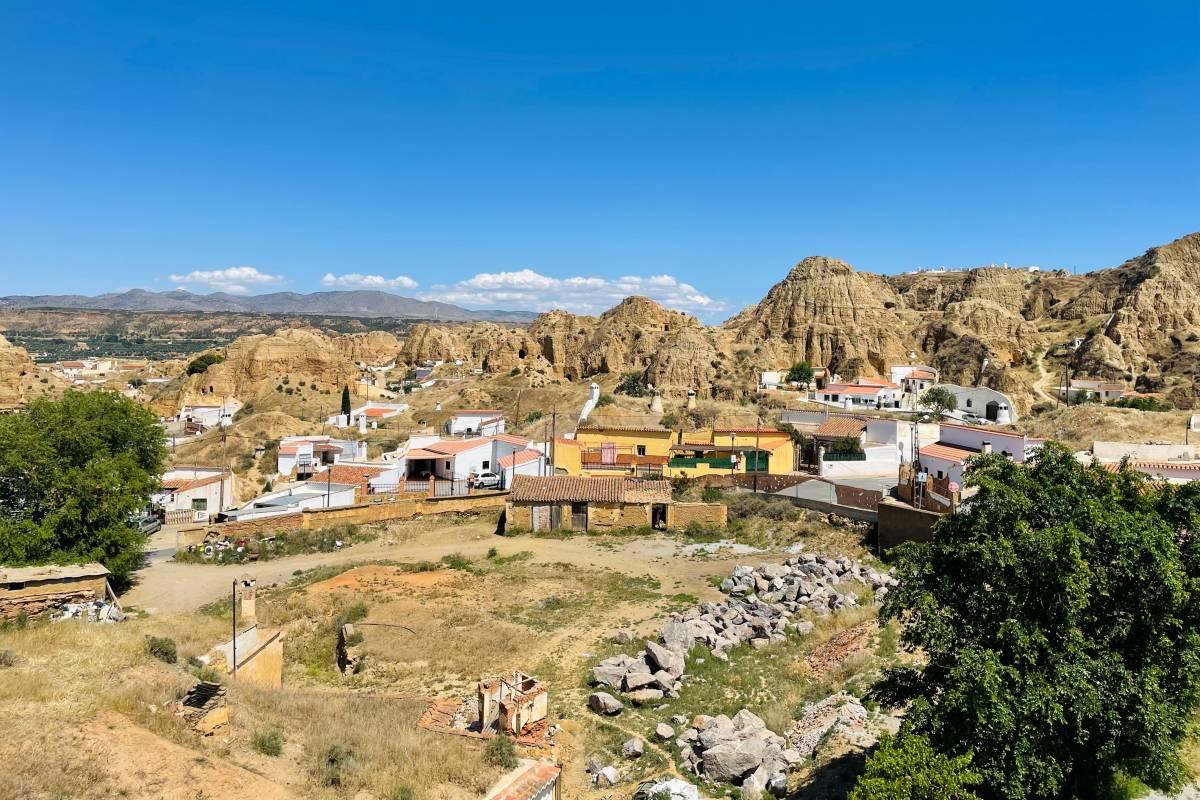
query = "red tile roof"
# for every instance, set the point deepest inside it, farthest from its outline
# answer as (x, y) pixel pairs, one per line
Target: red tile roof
(508, 438)
(571, 489)
(630, 428)
(380, 412)
(451, 447)
(922, 374)
(350, 474)
(519, 458)
(177, 485)
(527, 784)
(990, 431)
(948, 452)
(838, 427)
(765, 431)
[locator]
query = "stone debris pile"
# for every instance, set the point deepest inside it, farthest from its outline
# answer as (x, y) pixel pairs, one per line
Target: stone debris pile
(652, 674)
(840, 713)
(740, 750)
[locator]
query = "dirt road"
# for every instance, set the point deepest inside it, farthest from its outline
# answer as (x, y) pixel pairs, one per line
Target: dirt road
(170, 587)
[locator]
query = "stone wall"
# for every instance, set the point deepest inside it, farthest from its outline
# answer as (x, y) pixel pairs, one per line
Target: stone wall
(900, 522)
(37, 597)
(680, 515)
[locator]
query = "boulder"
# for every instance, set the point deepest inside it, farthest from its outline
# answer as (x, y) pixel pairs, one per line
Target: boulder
(605, 703)
(643, 696)
(731, 760)
(637, 680)
(678, 637)
(607, 777)
(634, 748)
(664, 731)
(660, 658)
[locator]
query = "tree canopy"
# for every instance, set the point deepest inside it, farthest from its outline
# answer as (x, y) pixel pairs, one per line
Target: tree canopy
(801, 372)
(939, 400)
(908, 768)
(1059, 617)
(346, 407)
(632, 384)
(72, 471)
(201, 363)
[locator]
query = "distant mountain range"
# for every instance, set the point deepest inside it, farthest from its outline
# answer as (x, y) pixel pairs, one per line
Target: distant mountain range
(341, 304)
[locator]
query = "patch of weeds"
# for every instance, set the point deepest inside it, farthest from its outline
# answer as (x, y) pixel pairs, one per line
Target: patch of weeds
(457, 561)
(163, 648)
(401, 791)
(8, 658)
(500, 752)
(334, 765)
(269, 742)
(354, 613)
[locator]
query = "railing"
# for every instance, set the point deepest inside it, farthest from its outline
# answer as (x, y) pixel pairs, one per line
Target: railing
(451, 488)
(690, 463)
(845, 457)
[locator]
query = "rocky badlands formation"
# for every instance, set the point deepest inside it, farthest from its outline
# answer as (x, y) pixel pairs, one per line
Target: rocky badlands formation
(15, 367)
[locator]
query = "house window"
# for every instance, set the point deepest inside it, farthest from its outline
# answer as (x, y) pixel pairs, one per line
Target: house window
(200, 504)
(833, 397)
(940, 475)
(447, 465)
(641, 449)
(486, 464)
(968, 402)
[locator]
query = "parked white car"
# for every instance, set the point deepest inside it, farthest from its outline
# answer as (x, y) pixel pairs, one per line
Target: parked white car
(487, 480)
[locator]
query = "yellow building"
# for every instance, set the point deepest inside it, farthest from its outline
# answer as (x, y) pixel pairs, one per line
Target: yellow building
(651, 450)
(731, 451)
(635, 450)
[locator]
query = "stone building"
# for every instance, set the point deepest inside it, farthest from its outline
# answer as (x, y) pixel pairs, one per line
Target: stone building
(34, 590)
(578, 503)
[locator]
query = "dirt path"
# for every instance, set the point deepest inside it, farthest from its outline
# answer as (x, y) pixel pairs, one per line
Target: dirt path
(170, 587)
(1043, 376)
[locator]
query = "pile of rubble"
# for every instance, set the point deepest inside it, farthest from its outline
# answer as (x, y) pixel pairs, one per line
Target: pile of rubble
(203, 708)
(90, 611)
(840, 713)
(739, 750)
(652, 674)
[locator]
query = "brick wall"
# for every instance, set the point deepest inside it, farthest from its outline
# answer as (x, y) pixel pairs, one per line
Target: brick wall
(766, 483)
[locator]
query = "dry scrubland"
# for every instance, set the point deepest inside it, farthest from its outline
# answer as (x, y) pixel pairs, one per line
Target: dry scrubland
(88, 709)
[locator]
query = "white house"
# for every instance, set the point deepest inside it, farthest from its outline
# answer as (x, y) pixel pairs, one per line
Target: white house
(370, 415)
(372, 476)
(982, 403)
(944, 459)
(1085, 389)
(458, 459)
(210, 416)
(914, 378)
(477, 422)
(305, 455)
(1169, 471)
(297, 498)
(194, 494)
(864, 394)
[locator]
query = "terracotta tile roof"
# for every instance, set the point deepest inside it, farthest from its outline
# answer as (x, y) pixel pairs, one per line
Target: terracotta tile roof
(451, 447)
(632, 427)
(289, 449)
(188, 484)
(519, 458)
(349, 474)
(948, 452)
(421, 452)
(557, 442)
(922, 374)
(765, 431)
(1142, 466)
(838, 427)
(527, 784)
(380, 412)
(571, 489)
(989, 431)
(592, 458)
(508, 438)
(847, 388)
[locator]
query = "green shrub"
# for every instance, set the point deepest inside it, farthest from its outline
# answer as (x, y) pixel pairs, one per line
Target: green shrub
(669, 420)
(500, 752)
(1141, 403)
(400, 792)
(8, 658)
(631, 384)
(605, 400)
(268, 742)
(492, 552)
(712, 494)
(533, 416)
(163, 648)
(354, 613)
(201, 363)
(456, 561)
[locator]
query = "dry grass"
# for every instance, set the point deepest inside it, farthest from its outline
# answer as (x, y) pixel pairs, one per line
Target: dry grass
(385, 748)
(1079, 426)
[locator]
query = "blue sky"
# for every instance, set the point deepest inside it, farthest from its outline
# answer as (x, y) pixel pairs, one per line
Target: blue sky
(535, 155)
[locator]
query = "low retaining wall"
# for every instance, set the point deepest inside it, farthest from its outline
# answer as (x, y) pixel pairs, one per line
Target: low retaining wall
(378, 510)
(766, 482)
(680, 515)
(900, 523)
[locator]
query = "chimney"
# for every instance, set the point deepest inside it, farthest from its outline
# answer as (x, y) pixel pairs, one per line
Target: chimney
(246, 610)
(986, 448)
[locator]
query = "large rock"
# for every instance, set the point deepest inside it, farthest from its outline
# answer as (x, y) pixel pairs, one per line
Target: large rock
(731, 760)
(660, 658)
(633, 748)
(604, 703)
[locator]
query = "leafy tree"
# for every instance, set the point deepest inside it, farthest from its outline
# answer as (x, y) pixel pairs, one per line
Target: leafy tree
(908, 768)
(72, 471)
(346, 407)
(631, 384)
(846, 444)
(201, 363)
(939, 400)
(1059, 614)
(1141, 403)
(801, 372)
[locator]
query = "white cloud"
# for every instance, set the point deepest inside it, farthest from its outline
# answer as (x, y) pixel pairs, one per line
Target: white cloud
(236, 280)
(528, 290)
(354, 280)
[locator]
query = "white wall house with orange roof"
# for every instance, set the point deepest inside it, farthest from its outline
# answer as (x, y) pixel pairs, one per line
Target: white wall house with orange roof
(865, 394)
(366, 416)
(476, 422)
(947, 457)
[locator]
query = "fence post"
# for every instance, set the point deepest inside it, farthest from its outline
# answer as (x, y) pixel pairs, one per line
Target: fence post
(432, 482)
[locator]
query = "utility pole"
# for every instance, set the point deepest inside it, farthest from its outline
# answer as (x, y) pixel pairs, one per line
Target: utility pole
(757, 451)
(328, 484)
(553, 437)
(233, 598)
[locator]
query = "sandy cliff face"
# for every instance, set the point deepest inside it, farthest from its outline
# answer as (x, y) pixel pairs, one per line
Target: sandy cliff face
(253, 364)
(15, 366)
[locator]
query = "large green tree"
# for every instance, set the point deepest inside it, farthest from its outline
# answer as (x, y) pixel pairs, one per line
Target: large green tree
(800, 372)
(72, 471)
(939, 400)
(1058, 614)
